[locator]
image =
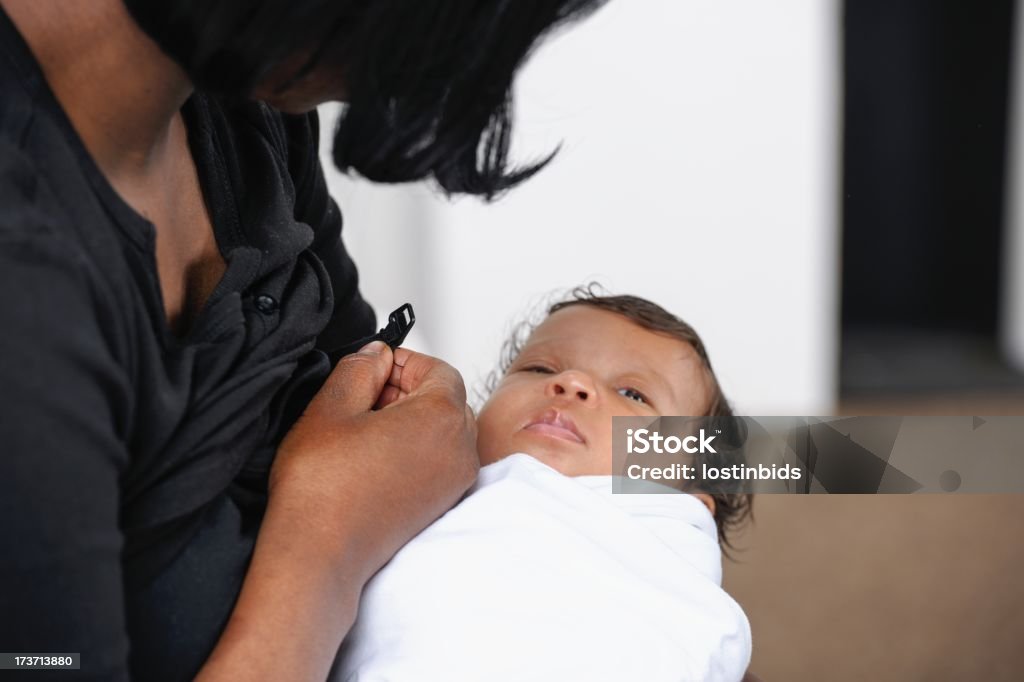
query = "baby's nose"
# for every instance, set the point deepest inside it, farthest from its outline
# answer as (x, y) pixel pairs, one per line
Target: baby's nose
(573, 385)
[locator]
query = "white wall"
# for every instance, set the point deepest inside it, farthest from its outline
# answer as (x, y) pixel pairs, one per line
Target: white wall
(699, 168)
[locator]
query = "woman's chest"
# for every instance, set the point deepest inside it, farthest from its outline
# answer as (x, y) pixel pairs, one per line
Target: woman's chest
(169, 195)
(211, 406)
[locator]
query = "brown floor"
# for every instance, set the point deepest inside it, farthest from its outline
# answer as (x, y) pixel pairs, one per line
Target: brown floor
(914, 587)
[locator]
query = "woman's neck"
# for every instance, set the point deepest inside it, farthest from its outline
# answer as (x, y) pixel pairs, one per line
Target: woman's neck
(120, 91)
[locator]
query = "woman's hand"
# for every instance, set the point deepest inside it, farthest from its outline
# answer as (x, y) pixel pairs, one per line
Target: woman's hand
(385, 447)
(351, 484)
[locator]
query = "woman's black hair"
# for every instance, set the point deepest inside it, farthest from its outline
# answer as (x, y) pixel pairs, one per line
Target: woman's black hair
(429, 82)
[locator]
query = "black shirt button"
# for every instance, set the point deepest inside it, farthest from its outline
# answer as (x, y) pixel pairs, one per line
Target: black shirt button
(266, 304)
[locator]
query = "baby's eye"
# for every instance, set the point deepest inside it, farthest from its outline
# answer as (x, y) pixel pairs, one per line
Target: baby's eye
(633, 394)
(540, 369)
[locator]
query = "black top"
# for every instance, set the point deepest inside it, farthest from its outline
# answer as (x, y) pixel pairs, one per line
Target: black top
(133, 464)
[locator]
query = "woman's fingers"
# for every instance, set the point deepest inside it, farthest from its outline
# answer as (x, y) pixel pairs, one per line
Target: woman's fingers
(414, 372)
(389, 395)
(355, 384)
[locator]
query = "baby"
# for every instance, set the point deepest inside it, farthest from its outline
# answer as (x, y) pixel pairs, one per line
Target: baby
(541, 573)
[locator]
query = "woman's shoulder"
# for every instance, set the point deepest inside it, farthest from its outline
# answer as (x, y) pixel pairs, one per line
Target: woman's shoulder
(38, 167)
(18, 170)
(49, 239)
(30, 218)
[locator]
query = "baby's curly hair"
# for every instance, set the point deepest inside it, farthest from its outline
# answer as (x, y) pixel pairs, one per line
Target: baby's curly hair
(732, 510)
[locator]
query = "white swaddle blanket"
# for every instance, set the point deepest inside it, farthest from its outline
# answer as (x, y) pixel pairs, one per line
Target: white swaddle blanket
(538, 577)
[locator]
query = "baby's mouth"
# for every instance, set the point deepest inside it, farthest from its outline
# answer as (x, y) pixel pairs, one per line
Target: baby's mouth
(553, 423)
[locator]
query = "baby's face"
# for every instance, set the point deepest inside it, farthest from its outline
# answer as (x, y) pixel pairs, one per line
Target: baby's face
(579, 368)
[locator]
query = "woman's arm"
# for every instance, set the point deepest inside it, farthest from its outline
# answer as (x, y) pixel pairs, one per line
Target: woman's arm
(61, 583)
(350, 486)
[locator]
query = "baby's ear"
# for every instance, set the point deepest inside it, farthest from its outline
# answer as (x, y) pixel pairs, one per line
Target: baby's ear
(707, 501)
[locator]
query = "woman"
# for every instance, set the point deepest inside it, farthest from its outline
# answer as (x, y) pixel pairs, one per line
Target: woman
(177, 278)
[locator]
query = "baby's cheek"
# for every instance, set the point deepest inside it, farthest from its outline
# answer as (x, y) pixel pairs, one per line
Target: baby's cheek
(603, 465)
(600, 456)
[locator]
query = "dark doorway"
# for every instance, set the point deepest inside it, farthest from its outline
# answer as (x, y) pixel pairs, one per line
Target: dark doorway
(925, 143)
